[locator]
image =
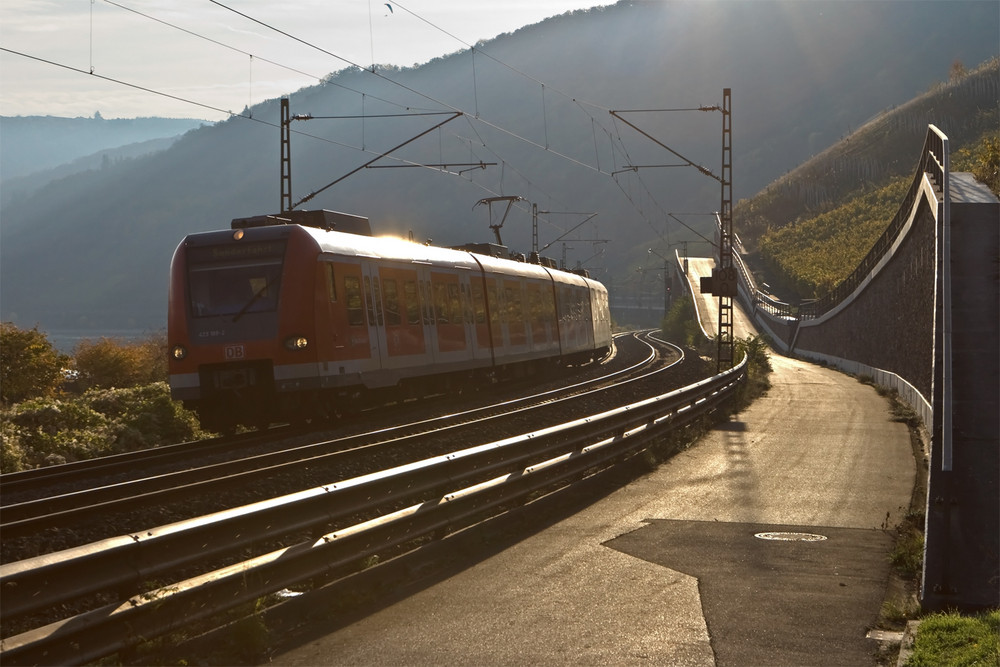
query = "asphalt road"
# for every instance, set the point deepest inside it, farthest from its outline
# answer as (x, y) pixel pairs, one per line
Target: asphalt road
(669, 569)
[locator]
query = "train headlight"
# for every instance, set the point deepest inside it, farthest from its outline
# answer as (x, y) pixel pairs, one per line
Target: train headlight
(178, 352)
(297, 343)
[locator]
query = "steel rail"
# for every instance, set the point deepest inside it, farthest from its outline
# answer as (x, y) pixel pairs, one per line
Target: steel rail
(32, 516)
(128, 462)
(67, 473)
(486, 476)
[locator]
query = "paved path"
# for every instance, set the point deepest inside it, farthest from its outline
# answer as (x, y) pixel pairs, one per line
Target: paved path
(667, 569)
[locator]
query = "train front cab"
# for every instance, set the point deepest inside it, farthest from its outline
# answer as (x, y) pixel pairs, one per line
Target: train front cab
(240, 323)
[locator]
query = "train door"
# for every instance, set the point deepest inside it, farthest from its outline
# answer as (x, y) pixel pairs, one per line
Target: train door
(451, 334)
(496, 311)
(404, 333)
(342, 330)
(427, 317)
(516, 330)
(372, 289)
(483, 348)
(468, 318)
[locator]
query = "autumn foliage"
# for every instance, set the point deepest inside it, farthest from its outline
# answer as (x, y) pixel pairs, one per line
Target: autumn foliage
(111, 396)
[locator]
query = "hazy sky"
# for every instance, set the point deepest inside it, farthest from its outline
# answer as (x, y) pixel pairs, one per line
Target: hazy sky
(201, 51)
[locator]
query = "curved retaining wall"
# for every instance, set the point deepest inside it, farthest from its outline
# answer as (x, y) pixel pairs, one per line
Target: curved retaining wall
(896, 303)
(921, 315)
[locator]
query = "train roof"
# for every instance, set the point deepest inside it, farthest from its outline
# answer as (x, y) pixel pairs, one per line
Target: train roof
(321, 219)
(393, 249)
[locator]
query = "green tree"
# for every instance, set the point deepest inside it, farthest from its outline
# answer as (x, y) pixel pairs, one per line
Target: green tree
(29, 365)
(956, 71)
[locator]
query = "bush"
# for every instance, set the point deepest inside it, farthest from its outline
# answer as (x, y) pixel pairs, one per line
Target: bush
(983, 160)
(48, 431)
(29, 365)
(110, 362)
(757, 351)
(101, 422)
(755, 348)
(680, 324)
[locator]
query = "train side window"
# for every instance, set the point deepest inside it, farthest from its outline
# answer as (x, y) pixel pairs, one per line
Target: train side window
(466, 304)
(391, 293)
(412, 302)
(369, 301)
(355, 307)
(428, 302)
(455, 302)
(515, 311)
(478, 303)
(495, 300)
(331, 282)
(378, 301)
(441, 302)
(535, 306)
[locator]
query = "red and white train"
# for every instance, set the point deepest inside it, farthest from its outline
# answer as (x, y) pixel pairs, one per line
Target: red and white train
(284, 319)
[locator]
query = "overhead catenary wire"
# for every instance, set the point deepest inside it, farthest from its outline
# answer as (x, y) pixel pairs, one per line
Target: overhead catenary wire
(322, 79)
(616, 143)
(477, 115)
(229, 112)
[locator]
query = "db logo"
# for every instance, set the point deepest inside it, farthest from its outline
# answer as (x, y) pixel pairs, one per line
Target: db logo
(235, 352)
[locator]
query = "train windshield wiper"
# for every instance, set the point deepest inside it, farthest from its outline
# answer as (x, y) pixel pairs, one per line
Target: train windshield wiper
(243, 311)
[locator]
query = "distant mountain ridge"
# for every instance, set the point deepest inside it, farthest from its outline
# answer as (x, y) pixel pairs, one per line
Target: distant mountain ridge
(29, 144)
(20, 187)
(92, 249)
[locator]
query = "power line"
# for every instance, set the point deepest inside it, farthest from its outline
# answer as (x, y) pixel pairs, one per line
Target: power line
(321, 79)
(126, 83)
(616, 141)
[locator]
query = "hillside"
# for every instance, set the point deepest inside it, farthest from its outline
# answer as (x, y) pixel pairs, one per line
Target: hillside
(884, 148)
(92, 249)
(814, 224)
(34, 143)
(20, 187)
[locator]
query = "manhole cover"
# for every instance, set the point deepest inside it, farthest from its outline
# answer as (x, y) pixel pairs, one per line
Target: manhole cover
(790, 537)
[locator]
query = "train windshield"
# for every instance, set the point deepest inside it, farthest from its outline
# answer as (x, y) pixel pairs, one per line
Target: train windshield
(231, 282)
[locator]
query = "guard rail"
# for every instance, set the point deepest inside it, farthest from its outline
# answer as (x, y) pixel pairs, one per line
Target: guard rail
(408, 502)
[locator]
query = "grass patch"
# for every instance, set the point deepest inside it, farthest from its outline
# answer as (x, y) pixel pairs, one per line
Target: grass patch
(957, 641)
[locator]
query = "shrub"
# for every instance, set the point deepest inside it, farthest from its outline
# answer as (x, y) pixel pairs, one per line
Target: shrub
(48, 431)
(110, 362)
(755, 348)
(29, 365)
(101, 422)
(149, 414)
(680, 324)
(982, 159)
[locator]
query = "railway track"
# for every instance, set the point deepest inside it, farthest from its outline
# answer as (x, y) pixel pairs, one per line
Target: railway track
(223, 542)
(89, 501)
